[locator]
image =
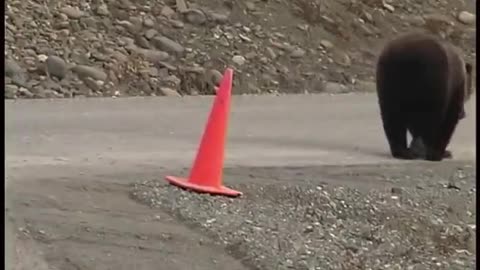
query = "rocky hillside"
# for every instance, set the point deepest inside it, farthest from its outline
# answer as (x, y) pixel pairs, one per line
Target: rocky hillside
(67, 48)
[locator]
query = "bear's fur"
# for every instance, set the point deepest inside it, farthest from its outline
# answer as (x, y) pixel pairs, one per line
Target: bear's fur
(422, 85)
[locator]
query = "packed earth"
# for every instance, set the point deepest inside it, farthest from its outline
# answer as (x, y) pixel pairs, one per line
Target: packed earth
(110, 48)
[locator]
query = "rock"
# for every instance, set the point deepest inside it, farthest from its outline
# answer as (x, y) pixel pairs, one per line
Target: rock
(169, 92)
(326, 44)
(142, 42)
(181, 6)
(56, 67)
(12, 68)
(271, 53)
(213, 77)
(388, 7)
(42, 58)
(297, 53)
(466, 17)
(168, 45)
(219, 18)
(72, 12)
(150, 33)
(148, 22)
(239, 60)
(86, 71)
(153, 56)
(167, 12)
(91, 84)
(47, 93)
(366, 86)
(195, 16)
(396, 190)
(24, 92)
(102, 10)
(15, 72)
(11, 91)
(177, 24)
(250, 6)
(334, 88)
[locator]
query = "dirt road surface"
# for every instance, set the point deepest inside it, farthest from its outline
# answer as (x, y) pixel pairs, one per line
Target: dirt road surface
(70, 165)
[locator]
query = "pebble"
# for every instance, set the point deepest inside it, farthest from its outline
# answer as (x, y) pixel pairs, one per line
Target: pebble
(56, 66)
(72, 12)
(92, 84)
(169, 92)
(250, 6)
(214, 76)
(167, 12)
(298, 53)
(326, 44)
(148, 22)
(271, 53)
(366, 86)
(168, 45)
(24, 92)
(334, 88)
(219, 17)
(142, 42)
(11, 91)
(12, 68)
(153, 56)
(195, 16)
(466, 17)
(42, 58)
(150, 33)
(103, 10)
(239, 60)
(87, 71)
(388, 7)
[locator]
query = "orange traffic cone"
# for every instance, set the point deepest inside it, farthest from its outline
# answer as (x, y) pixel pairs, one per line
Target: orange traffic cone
(206, 174)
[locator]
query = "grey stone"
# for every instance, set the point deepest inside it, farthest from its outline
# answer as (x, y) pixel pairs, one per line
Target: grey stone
(334, 88)
(150, 33)
(169, 92)
(153, 56)
(148, 22)
(24, 92)
(12, 68)
(326, 44)
(466, 17)
(142, 42)
(56, 66)
(167, 12)
(195, 16)
(10, 91)
(168, 45)
(214, 76)
(298, 53)
(86, 71)
(72, 12)
(103, 10)
(239, 60)
(219, 17)
(92, 84)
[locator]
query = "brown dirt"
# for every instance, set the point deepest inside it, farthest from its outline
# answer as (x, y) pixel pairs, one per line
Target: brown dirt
(281, 46)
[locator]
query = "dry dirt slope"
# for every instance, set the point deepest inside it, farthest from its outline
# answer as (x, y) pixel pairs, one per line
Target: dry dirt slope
(169, 47)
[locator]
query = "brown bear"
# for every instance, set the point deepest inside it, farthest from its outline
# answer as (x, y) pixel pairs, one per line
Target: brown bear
(422, 85)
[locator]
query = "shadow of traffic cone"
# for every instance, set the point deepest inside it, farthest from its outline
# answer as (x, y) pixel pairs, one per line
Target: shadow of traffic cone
(206, 173)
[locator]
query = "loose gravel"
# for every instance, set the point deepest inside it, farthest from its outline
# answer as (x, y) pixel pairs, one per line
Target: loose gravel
(418, 221)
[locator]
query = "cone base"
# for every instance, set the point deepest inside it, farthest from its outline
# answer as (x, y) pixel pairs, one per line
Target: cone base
(184, 183)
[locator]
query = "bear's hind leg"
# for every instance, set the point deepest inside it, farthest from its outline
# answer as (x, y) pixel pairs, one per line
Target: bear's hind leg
(450, 121)
(395, 128)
